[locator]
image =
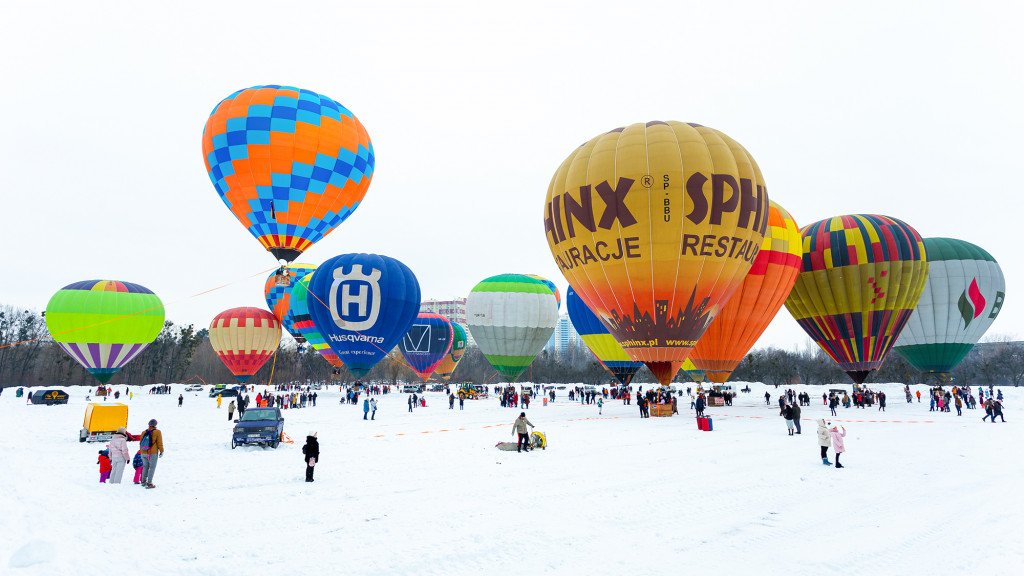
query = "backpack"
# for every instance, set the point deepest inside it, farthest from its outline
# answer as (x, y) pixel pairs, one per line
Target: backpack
(137, 461)
(146, 441)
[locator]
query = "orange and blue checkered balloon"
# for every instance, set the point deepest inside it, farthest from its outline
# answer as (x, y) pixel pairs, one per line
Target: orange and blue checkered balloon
(290, 164)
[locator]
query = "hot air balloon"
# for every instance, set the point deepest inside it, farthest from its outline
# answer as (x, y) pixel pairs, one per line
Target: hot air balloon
(655, 225)
(278, 295)
(601, 343)
(363, 304)
(298, 311)
(244, 339)
(861, 276)
(290, 164)
(691, 372)
(446, 367)
(550, 284)
(511, 317)
(427, 342)
(751, 308)
(104, 324)
(962, 297)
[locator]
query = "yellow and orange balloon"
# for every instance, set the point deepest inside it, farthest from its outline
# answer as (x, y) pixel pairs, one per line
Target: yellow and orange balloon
(655, 225)
(763, 292)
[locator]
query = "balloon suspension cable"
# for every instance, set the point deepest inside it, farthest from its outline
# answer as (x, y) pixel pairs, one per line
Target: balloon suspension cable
(273, 365)
(139, 313)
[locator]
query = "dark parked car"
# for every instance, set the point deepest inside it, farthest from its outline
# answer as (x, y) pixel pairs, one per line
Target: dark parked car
(262, 426)
(224, 393)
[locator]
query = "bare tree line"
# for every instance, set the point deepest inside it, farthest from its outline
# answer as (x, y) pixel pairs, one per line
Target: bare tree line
(183, 354)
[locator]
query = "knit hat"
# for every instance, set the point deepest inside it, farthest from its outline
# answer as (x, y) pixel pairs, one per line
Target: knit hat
(312, 433)
(121, 430)
(152, 422)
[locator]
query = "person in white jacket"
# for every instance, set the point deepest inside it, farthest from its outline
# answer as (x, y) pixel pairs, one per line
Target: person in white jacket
(119, 455)
(824, 440)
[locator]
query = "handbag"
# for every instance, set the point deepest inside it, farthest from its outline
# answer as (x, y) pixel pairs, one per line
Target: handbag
(312, 462)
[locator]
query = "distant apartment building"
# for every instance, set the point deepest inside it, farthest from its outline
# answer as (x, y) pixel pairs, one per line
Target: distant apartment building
(564, 337)
(454, 310)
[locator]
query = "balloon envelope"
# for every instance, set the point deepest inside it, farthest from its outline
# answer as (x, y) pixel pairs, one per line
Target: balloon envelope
(363, 304)
(551, 285)
(962, 297)
(427, 342)
(244, 339)
(860, 278)
(289, 163)
(303, 323)
(279, 297)
(511, 317)
(446, 367)
(654, 226)
(601, 343)
(751, 308)
(104, 324)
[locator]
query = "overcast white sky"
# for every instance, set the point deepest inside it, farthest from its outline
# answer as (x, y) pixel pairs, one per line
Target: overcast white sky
(909, 109)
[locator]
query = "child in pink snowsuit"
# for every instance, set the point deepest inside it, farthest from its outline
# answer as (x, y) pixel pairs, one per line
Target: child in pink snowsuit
(137, 464)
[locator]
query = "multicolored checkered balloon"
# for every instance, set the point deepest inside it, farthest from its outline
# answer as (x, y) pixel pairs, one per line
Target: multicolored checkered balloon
(290, 164)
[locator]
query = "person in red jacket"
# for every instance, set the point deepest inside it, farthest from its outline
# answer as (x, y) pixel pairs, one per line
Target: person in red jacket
(105, 467)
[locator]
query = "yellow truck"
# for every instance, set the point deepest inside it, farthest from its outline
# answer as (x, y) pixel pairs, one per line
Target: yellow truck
(102, 420)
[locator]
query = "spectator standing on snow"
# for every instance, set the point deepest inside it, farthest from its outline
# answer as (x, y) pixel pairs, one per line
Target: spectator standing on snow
(152, 446)
(837, 443)
(600, 406)
(410, 403)
(881, 401)
(104, 461)
(997, 410)
(462, 402)
(231, 410)
(311, 454)
(137, 464)
(699, 405)
(218, 400)
(787, 413)
(451, 401)
(373, 409)
(519, 427)
(824, 440)
(767, 399)
(119, 455)
(796, 417)
(180, 400)
(366, 408)
(918, 394)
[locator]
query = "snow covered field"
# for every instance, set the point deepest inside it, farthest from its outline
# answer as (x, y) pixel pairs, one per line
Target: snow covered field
(427, 493)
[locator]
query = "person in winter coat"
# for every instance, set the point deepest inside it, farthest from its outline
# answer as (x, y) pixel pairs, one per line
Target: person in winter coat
(311, 454)
(767, 399)
(787, 413)
(119, 455)
(519, 427)
(151, 444)
(180, 400)
(373, 409)
(218, 400)
(104, 462)
(837, 442)
(462, 402)
(600, 405)
(451, 402)
(824, 440)
(231, 410)
(699, 405)
(997, 410)
(796, 416)
(410, 403)
(137, 464)
(366, 408)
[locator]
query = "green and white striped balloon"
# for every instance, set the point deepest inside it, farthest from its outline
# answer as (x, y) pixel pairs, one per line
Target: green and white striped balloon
(961, 299)
(511, 317)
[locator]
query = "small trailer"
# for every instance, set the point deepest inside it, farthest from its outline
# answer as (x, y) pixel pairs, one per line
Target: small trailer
(102, 420)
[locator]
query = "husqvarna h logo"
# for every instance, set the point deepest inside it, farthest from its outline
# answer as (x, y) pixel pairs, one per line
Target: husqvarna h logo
(355, 298)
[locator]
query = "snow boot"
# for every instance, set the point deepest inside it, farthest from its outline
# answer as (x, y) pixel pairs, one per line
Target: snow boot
(826, 462)
(838, 465)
